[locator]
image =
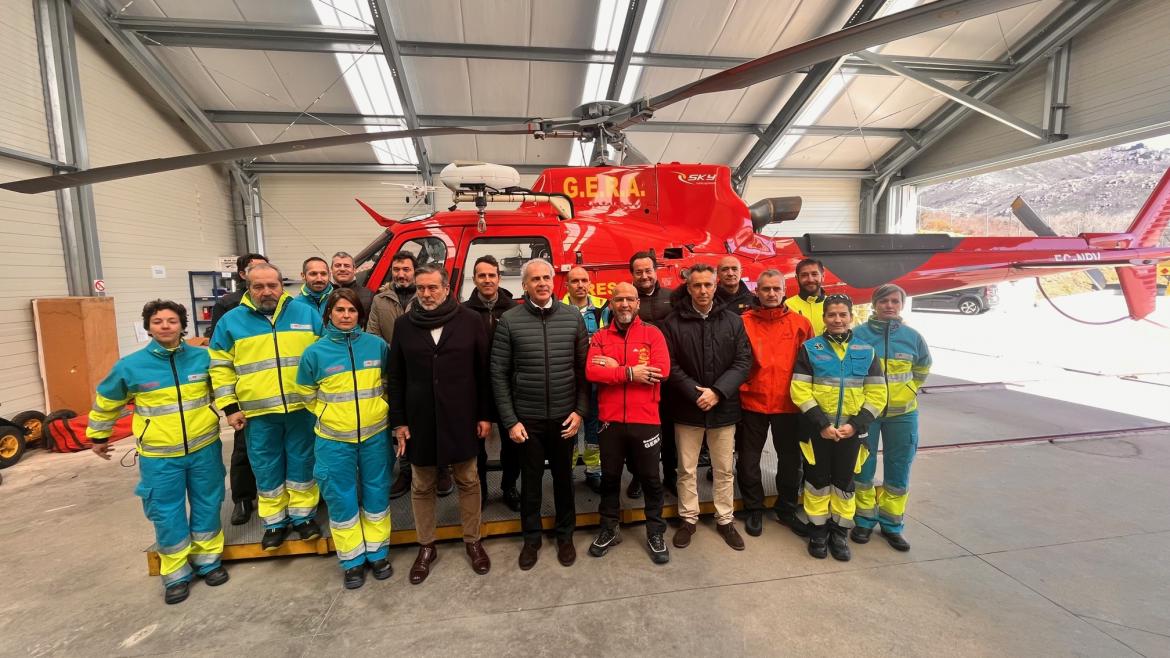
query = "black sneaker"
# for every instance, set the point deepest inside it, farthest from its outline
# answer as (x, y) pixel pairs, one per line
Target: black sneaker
(307, 530)
(382, 569)
(273, 538)
(605, 539)
(177, 593)
(216, 576)
(657, 547)
(355, 577)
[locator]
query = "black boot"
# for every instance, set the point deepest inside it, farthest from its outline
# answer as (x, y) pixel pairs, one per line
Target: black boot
(242, 512)
(860, 535)
(216, 576)
(177, 593)
(273, 538)
(786, 515)
(754, 525)
(838, 543)
(818, 541)
(307, 530)
(355, 577)
(512, 498)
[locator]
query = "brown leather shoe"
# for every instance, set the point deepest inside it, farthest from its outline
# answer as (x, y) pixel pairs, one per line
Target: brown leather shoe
(566, 552)
(731, 536)
(480, 562)
(422, 564)
(682, 536)
(528, 556)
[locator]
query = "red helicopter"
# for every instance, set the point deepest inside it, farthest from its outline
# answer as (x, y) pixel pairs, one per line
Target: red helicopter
(598, 216)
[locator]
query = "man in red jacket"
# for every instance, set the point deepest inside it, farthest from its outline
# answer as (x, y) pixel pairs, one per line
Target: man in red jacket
(628, 360)
(776, 334)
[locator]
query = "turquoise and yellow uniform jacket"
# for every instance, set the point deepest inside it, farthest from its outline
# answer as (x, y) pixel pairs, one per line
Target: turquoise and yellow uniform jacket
(838, 382)
(343, 373)
(171, 392)
(313, 300)
(905, 361)
(254, 357)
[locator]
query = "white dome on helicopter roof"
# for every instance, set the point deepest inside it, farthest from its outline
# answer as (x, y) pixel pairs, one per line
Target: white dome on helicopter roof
(471, 175)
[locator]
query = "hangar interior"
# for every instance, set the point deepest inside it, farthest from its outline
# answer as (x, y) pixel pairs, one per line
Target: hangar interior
(88, 83)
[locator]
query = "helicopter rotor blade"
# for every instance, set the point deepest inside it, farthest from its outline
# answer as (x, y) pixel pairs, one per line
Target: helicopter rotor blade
(1030, 219)
(131, 169)
(917, 20)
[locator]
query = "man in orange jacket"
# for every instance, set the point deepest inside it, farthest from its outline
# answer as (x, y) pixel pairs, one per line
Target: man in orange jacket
(776, 334)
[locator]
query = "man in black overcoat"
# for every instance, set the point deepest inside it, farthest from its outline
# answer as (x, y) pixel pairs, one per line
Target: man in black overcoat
(440, 407)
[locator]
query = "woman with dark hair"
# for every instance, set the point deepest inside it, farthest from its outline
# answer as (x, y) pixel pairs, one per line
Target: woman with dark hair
(180, 460)
(344, 371)
(837, 384)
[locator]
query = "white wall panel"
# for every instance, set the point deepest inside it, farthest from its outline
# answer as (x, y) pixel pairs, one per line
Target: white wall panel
(829, 205)
(179, 220)
(22, 119)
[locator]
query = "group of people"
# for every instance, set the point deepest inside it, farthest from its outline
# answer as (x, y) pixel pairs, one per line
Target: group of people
(329, 389)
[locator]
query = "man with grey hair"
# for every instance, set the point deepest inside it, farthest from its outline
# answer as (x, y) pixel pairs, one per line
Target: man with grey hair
(345, 276)
(255, 352)
(776, 334)
(440, 408)
(538, 376)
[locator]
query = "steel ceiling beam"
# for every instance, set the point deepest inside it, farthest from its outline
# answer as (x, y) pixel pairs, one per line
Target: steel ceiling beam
(800, 98)
(380, 10)
(621, 64)
(1066, 22)
(449, 120)
(237, 35)
(970, 102)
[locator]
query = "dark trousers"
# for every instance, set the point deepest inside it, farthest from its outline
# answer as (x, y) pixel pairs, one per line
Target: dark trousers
(828, 484)
(669, 446)
(242, 478)
(749, 445)
(638, 446)
(509, 462)
(545, 443)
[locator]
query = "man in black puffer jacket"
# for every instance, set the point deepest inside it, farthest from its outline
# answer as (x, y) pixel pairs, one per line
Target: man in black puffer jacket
(710, 357)
(538, 376)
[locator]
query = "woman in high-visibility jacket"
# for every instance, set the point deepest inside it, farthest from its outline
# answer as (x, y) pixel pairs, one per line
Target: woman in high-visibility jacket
(837, 384)
(179, 453)
(344, 373)
(905, 361)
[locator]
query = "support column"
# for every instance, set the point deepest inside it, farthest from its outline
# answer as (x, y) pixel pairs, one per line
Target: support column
(1056, 92)
(66, 121)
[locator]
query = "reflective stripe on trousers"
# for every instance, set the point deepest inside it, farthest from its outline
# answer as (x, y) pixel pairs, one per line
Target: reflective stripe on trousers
(280, 447)
(886, 504)
(348, 472)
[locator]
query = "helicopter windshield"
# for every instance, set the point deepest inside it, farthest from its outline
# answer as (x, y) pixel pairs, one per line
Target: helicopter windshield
(367, 258)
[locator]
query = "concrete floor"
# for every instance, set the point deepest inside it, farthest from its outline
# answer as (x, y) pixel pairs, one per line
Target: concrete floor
(1051, 549)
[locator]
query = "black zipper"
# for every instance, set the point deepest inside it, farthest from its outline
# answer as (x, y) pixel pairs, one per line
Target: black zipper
(279, 375)
(356, 402)
(179, 393)
(547, 373)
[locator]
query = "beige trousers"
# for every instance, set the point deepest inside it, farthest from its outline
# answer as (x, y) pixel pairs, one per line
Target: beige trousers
(721, 443)
(423, 496)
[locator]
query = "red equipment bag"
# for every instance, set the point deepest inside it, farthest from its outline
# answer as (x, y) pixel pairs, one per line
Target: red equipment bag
(65, 430)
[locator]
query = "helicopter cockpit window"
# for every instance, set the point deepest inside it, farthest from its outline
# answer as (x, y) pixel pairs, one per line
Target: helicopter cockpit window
(427, 251)
(511, 253)
(367, 258)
